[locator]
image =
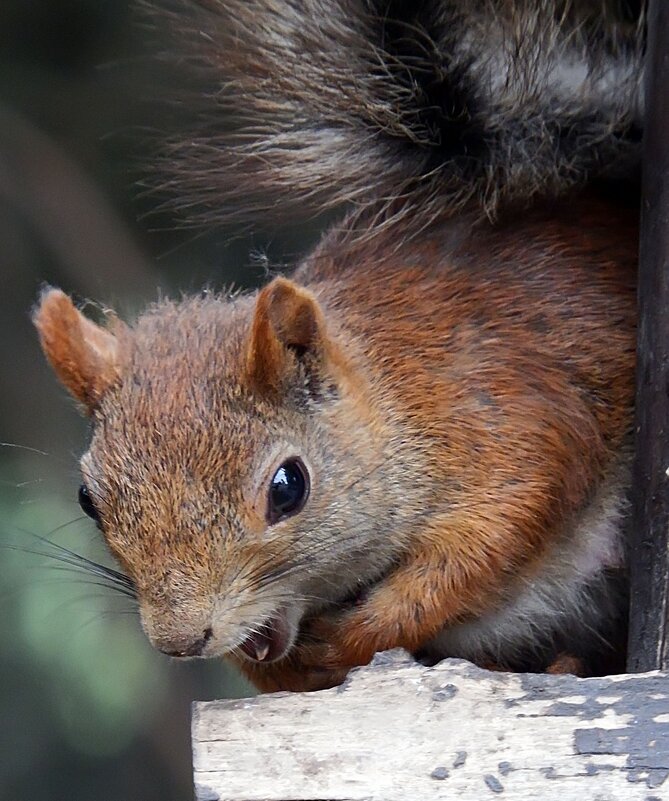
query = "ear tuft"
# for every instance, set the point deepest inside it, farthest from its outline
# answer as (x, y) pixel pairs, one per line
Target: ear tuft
(83, 355)
(287, 329)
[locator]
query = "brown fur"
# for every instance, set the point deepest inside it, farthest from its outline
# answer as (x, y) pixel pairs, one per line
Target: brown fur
(458, 399)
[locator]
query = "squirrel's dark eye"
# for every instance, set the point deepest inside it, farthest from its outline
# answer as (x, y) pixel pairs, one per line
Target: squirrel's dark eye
(87, 505)
(288, 491)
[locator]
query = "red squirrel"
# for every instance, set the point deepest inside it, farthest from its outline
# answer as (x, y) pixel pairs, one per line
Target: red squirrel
(422, 437)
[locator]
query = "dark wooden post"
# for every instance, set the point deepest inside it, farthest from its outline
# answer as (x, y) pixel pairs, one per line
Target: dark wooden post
(649, 540)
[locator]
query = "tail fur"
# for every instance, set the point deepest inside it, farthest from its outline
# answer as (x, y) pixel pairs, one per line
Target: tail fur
(395, 105)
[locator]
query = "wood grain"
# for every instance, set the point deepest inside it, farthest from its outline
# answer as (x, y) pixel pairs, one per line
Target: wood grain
(398, 731)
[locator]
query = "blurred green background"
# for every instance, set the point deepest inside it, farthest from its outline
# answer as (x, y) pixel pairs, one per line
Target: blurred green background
(88, 709)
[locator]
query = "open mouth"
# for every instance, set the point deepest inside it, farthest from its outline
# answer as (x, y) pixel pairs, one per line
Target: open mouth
(274, 638)
(270, 641)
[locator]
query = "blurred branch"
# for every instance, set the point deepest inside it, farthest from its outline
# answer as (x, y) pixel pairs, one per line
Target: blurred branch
(69, 214)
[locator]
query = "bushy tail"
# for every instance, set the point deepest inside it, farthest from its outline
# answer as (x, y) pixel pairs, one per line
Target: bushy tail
(398, 105)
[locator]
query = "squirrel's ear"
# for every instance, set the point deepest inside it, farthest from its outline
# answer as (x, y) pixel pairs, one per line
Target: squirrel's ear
(82, 354)
(288, 329)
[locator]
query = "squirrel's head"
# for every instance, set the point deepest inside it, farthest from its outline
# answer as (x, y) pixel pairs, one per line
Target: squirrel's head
(229, 466)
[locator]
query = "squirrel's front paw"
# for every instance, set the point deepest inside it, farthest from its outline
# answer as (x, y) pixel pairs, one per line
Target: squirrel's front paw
(299, 671)
(336, 641)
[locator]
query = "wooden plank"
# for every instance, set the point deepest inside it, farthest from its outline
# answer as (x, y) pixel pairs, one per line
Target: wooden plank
(397, 731)
(649, 540)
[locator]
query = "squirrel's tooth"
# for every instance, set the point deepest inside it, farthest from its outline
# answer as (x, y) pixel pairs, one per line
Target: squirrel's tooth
(262, 649)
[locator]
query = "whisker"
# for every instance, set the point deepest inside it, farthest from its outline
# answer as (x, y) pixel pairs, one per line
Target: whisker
(44, 537)
(104, 613)
(37, 452)
(78, 573)
(25, 448)
(73, 567)
(71, 570)
(20, 484)
(77, 599)
(54, 551)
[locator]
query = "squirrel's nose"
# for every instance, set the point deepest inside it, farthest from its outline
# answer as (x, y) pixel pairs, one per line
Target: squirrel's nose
(184, 647)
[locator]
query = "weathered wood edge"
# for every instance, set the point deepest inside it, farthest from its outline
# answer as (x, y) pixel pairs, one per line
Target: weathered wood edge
(398, 731)
(649, 531)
